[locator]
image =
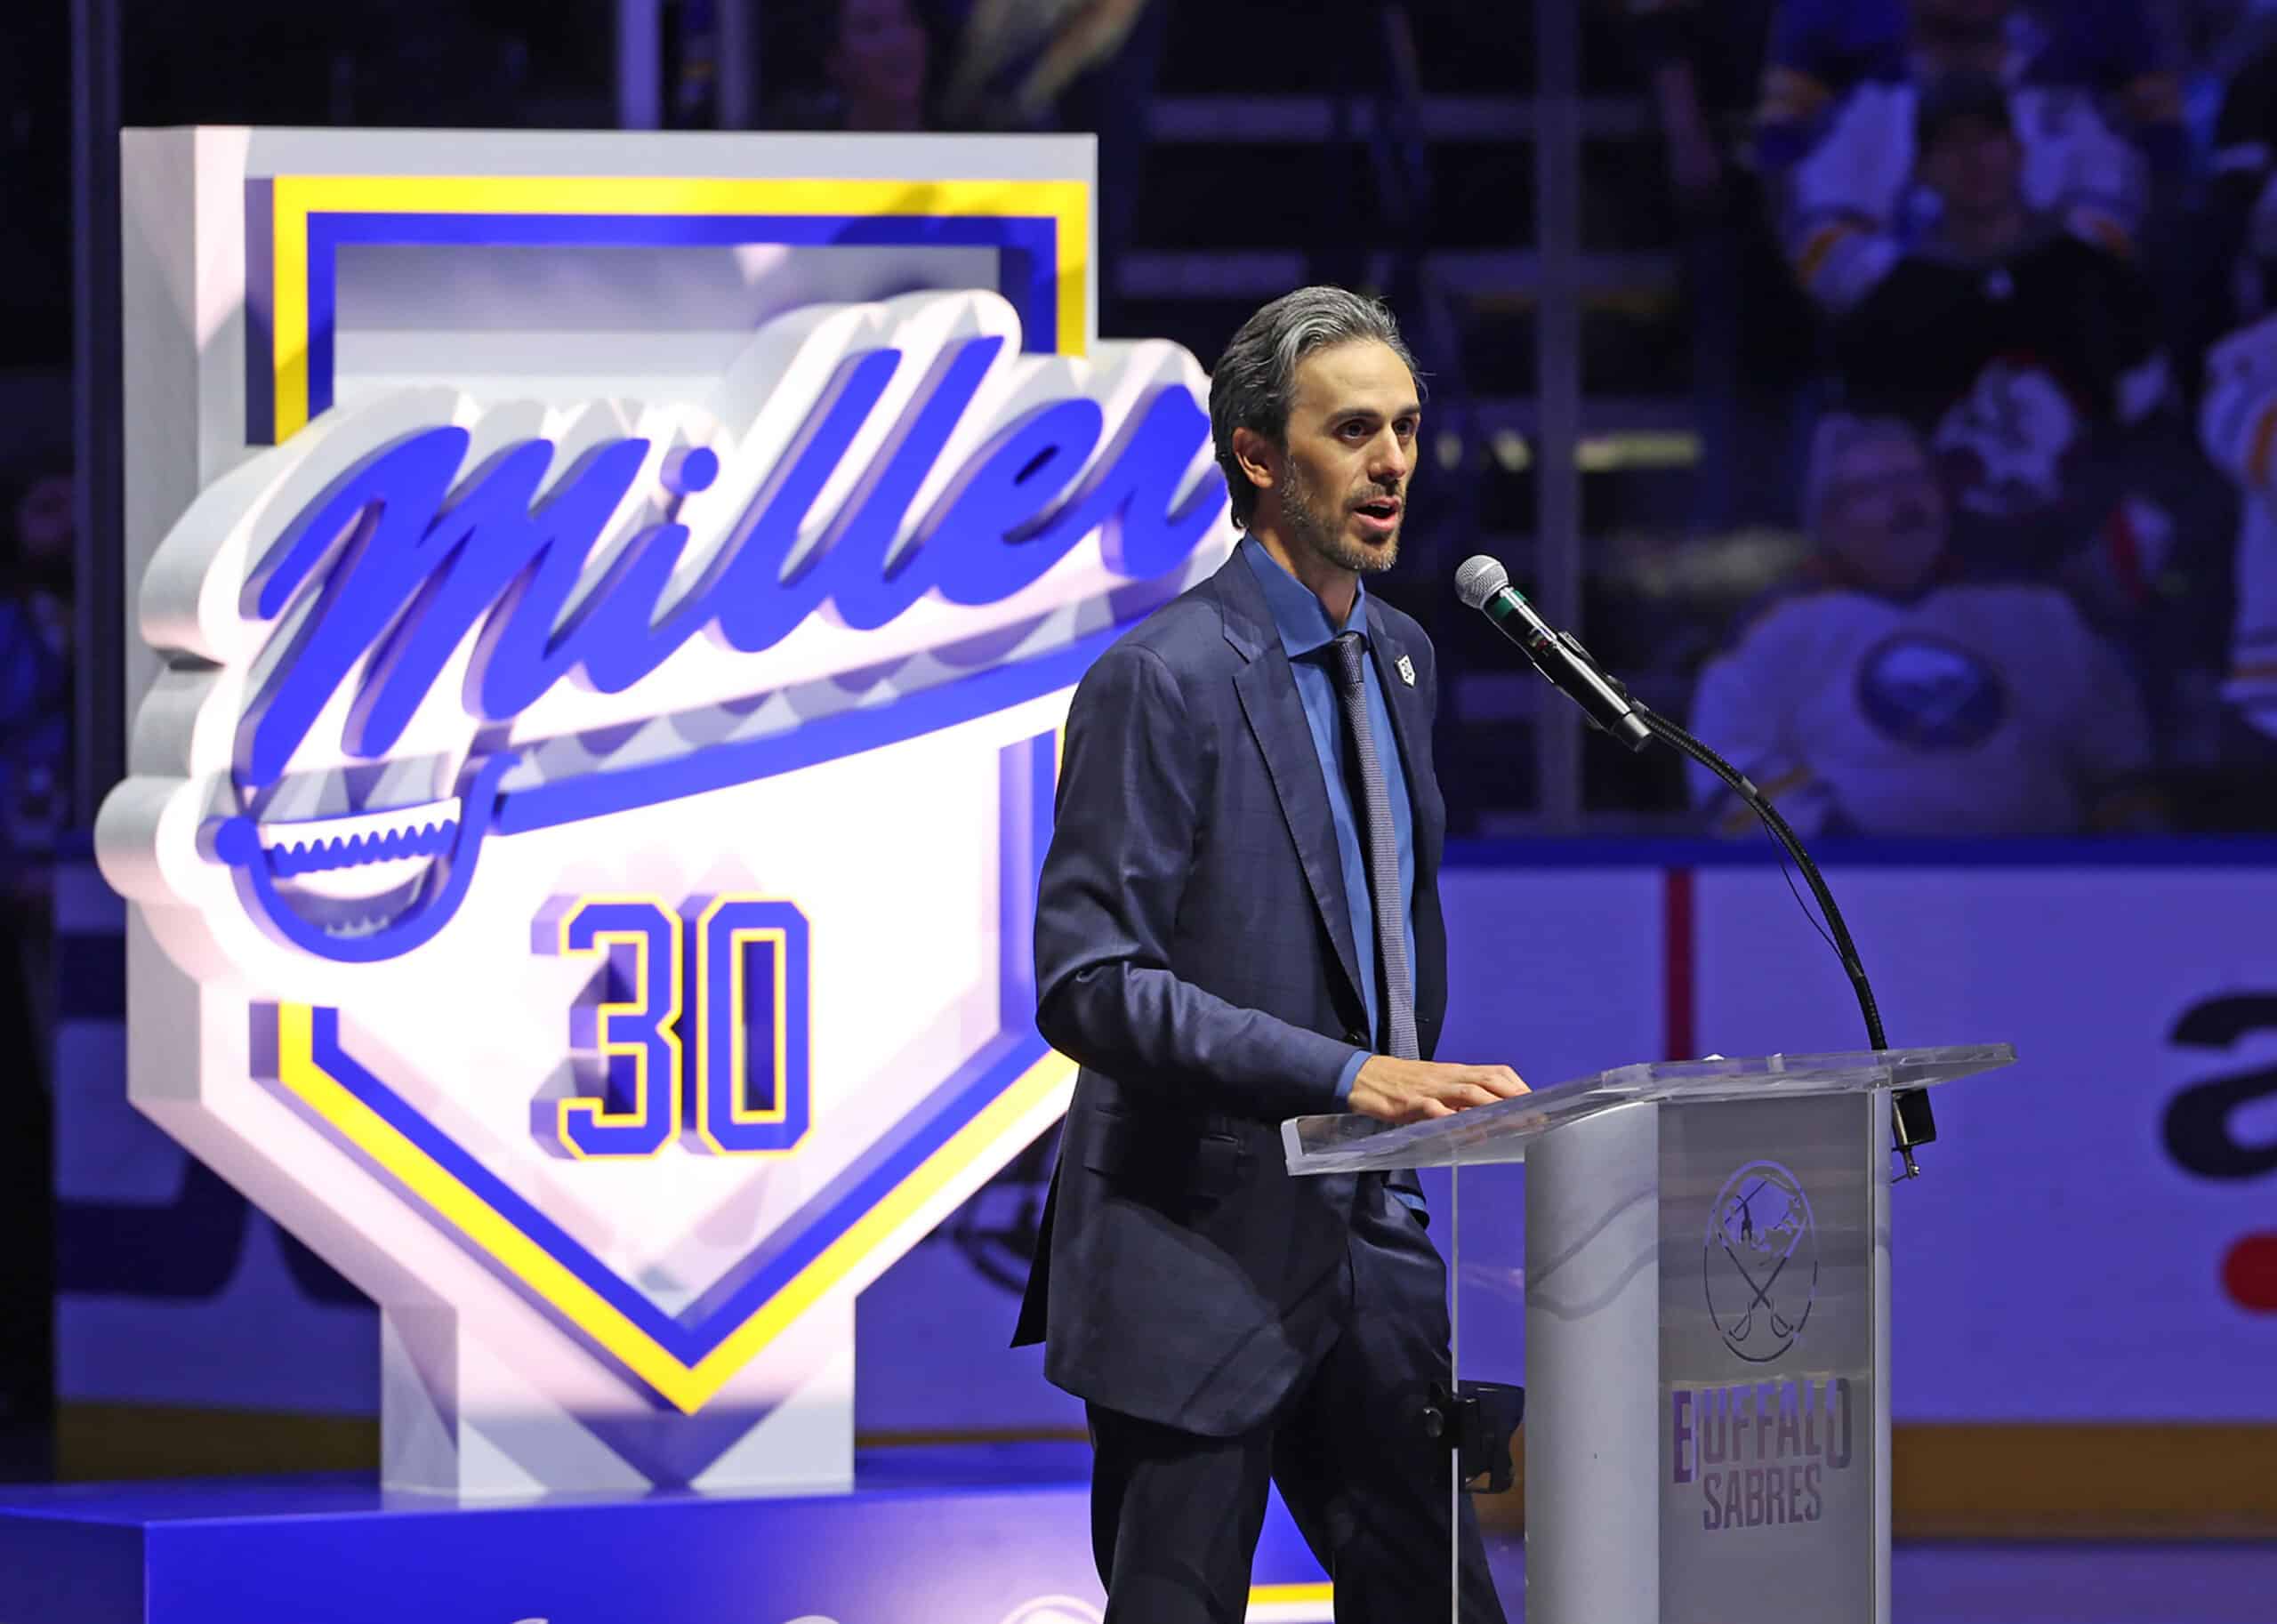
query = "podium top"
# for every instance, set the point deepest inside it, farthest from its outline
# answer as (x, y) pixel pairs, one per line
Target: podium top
(1500, 1132)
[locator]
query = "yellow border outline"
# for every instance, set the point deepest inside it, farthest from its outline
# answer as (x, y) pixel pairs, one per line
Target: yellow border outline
(581, 1112)
(687, 1387)
(1320, 1592)
(740, 1073)
(295, 198)
(739, 1076)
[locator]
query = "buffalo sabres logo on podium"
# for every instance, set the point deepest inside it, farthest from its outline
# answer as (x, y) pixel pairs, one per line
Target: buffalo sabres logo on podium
(1761, 1261)
(616, 827)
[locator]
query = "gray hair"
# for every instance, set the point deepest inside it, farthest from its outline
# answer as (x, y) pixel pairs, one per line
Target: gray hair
(1835, 436)
(1256, 378)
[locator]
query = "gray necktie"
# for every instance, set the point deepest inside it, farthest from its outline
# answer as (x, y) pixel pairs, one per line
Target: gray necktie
(1376, 833)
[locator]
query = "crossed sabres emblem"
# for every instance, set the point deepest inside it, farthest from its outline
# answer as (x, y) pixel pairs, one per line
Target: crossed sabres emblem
(1762, 1227)
(421, 543)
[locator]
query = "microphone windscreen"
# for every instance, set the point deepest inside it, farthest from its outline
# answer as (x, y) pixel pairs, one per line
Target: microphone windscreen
(1479, 578)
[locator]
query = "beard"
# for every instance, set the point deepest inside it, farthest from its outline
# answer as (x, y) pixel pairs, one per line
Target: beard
(1318, 527)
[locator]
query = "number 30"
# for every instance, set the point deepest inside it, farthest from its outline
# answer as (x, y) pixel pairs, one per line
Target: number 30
(746, 990)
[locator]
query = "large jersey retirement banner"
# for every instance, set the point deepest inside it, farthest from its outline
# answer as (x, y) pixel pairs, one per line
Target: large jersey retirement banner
(606, 606)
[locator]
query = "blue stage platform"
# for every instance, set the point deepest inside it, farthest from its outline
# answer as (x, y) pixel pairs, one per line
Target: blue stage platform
(980, 1535)
(963, 1535)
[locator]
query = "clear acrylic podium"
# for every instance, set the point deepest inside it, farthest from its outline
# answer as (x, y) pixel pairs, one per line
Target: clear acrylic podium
(1690, 1277)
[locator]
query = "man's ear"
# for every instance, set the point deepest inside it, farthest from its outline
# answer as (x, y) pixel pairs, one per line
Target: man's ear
(1259, 457)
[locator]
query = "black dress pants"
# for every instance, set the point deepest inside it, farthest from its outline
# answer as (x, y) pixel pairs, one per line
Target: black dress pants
(1175, 1516)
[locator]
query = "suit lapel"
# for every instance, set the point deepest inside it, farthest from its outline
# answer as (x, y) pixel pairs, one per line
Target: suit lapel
(1268, 689)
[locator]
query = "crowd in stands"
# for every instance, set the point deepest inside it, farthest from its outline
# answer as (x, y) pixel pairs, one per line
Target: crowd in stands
(2020, 252)
(2037, 246)
(1983, 305)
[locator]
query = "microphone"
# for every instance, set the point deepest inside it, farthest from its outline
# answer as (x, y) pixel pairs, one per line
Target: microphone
(1483, 585)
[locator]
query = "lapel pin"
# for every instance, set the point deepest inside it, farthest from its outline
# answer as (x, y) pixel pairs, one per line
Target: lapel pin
(1406, 668)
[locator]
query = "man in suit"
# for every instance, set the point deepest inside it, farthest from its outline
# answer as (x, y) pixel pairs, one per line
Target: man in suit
(1238, 922)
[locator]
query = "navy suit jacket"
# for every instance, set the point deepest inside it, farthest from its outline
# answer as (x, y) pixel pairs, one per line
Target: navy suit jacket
(1194, 956)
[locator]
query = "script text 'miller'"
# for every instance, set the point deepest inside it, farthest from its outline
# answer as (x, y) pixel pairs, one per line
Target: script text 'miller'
(407, 556)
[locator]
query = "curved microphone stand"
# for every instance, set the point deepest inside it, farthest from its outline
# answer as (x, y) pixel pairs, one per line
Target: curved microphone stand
(1912, 1122)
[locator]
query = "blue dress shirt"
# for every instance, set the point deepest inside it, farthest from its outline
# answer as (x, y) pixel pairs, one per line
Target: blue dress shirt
(1305, 634)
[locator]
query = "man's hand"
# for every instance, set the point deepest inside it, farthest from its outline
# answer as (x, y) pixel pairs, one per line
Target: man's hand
(1400, 1092)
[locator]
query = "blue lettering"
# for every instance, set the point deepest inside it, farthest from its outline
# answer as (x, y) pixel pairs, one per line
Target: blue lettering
(1715, 1425)
(378, 510)
(610, 637)
(758, 606)
(410, 581)
(866, 593)
(1143, 536)
(1125, 499)
(993, 505)
(631, 1027)
(407, 557)
(519, 566)
(750, 977)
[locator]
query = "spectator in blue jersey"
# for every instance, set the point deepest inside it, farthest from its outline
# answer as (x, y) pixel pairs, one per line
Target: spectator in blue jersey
(1880, 693)
(2027, 356)
(2098, 111)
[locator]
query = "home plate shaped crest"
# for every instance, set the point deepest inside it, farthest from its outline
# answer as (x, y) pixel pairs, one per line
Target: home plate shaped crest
(582, 855)
(752, 1000)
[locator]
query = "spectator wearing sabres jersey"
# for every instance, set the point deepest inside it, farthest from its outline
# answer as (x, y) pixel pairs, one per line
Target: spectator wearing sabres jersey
(2098, 109)
(2029, 356)
(1879, 694)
